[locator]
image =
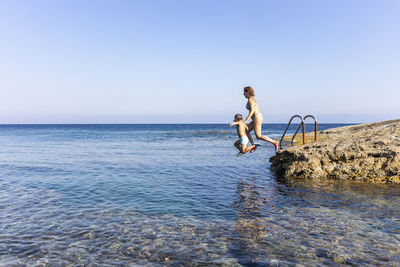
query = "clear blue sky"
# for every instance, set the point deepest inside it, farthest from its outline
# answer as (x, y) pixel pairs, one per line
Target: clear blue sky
(187, 61)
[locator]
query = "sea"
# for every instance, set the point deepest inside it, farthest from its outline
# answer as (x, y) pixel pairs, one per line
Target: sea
(176, 195)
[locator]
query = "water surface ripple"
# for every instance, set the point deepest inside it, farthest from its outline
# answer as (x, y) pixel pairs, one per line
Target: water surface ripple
(175, 195)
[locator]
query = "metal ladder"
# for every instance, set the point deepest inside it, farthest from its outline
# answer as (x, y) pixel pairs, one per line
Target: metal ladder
(302, 125)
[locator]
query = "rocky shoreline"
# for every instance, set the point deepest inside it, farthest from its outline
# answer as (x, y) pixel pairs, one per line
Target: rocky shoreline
(367, 152)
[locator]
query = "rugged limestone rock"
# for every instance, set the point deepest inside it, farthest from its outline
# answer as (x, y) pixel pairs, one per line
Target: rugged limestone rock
(369, 152)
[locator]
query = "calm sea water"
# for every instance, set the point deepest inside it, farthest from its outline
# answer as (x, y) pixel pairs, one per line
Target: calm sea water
(157, 195)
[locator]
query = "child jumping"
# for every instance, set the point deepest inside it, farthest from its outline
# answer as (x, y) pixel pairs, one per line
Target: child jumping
(242, 128)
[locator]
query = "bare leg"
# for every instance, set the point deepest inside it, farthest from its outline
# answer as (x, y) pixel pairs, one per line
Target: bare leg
(251, 128)
(246, 148)
(257, 129)
(237, 145)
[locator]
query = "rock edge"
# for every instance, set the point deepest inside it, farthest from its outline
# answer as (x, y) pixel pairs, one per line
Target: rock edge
(368, 152)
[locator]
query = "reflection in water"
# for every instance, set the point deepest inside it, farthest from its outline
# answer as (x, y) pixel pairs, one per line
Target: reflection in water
(250, 226)
(326, 222)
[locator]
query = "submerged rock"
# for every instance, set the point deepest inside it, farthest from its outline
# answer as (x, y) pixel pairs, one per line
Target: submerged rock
(369, 152)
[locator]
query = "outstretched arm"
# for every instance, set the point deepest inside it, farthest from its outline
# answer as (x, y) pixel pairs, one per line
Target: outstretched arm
(233, 123)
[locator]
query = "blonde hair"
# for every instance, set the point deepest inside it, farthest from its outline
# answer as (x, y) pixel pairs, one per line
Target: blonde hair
(249, 90)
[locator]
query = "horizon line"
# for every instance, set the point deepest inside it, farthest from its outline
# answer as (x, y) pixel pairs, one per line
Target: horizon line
(171, 123)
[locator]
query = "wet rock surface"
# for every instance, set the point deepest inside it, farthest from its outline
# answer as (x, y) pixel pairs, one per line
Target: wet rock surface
(369, 152)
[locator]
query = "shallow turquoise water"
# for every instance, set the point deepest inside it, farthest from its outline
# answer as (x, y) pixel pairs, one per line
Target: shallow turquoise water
(177, 195)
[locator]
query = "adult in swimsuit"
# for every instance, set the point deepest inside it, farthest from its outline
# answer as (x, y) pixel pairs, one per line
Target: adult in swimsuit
(256, 116)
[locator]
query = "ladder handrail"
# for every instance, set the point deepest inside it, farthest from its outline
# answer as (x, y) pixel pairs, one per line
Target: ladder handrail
(315, 126)
(302, 124)
(298, 128)
(287, 127)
